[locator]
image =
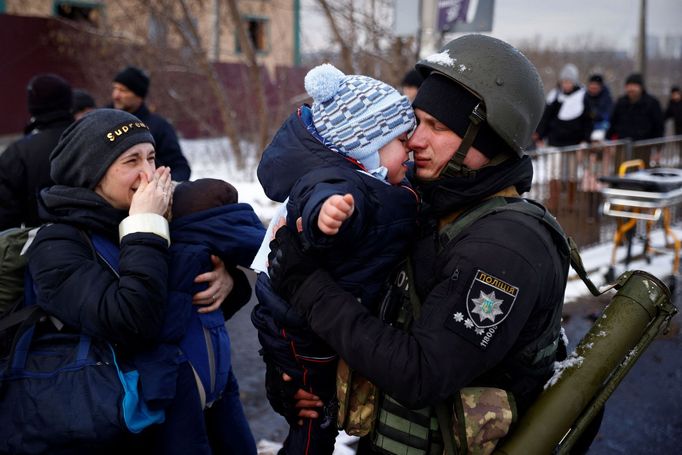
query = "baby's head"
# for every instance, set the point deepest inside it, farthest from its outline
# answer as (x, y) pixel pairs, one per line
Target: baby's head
(359, 116)
(202, 194)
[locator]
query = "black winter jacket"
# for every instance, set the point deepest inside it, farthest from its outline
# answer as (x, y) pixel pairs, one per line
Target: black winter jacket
(485, 296)
(25, 170)
(566, 129)
(168, 152)
(84, 293)
(640, 120)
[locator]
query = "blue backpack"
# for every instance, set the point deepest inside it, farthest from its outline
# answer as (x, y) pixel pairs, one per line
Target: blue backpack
(63, 389)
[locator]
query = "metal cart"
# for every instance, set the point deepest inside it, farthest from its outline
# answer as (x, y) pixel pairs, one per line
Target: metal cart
(642, 194)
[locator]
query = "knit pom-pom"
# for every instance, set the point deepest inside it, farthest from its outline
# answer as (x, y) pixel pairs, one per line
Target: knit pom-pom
(322, 82)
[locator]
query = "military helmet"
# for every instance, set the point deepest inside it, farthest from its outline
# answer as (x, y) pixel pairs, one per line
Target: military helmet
(501, 76)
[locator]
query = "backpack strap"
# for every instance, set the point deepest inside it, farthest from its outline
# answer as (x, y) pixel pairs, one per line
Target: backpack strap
(105, 249)
(531, 208)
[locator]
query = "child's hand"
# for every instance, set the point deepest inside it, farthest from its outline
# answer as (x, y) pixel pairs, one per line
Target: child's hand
(335, 210)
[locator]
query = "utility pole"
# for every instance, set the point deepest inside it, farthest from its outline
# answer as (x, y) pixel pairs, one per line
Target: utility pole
(215, 45)
(430, 38)
(641, 51)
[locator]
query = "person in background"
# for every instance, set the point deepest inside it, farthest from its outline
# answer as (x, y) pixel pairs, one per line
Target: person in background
(129, 90)
(600, 104)
(25, 165)
(83, 103)
(410, 84)
(637, 116)
(674, 109)
(565, 122)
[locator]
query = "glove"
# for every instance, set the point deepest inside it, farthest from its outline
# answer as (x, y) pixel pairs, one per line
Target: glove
(290, 262)
(280, 393)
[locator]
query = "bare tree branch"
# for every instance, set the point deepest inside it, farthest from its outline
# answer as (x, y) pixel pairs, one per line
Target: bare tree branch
(255, 73)
(346, 49)
(188, 31)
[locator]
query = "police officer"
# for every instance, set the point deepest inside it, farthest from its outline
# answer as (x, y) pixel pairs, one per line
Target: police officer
(489, 281)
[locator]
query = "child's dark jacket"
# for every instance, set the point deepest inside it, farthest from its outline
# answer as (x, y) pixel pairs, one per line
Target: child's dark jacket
(233, 232)
(360, 257)
(296, 164)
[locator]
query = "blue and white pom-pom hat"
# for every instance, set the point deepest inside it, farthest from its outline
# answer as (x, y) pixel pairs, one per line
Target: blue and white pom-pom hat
(357, 114)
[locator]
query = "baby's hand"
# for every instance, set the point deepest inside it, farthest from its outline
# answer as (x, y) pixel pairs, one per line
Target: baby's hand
(335, 210)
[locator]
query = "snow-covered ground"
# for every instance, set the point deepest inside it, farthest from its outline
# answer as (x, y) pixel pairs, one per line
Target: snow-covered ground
(209, 158)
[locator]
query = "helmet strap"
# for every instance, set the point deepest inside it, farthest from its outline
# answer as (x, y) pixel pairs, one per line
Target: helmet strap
(456, 167)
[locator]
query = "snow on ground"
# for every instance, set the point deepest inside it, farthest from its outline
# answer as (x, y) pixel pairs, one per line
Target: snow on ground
(597, 260)
(209, 158)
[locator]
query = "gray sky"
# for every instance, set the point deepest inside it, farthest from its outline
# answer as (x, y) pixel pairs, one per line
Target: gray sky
(613, 22)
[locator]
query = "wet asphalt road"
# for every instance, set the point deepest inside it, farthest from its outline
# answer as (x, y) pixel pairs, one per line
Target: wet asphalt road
(643, 416)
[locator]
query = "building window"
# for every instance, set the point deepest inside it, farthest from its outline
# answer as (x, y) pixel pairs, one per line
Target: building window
(256, 29)
(78, 11)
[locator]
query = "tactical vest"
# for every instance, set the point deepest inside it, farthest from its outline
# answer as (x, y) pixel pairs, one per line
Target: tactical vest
(427, 431)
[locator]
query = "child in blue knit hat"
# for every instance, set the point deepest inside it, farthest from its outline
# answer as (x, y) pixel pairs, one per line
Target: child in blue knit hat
(339, 166)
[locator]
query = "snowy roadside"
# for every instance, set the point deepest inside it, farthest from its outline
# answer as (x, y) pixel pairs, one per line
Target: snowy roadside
(597, 260)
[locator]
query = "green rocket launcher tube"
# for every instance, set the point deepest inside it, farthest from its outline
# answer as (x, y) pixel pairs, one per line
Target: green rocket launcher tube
(639, 311)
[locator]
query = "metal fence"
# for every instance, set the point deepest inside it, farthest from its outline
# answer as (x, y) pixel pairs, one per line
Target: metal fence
(567, 182)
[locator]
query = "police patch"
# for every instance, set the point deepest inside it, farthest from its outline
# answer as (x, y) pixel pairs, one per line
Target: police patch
(489, 300)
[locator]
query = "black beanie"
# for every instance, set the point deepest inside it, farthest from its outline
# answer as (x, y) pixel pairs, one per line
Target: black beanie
(89, 146)
(48, 93)
(135, 79)
(598, 78)
(451, 104)
(202, 194)
(635, 78)
(82, 100)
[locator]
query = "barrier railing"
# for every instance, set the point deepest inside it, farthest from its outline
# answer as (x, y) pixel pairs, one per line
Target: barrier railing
(567, 182)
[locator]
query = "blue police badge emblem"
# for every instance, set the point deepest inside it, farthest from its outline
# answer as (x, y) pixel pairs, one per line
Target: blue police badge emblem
(489, 300)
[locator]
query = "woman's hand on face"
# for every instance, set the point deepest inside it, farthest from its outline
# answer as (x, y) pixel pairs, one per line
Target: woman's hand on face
(152, 196)
(220, 285)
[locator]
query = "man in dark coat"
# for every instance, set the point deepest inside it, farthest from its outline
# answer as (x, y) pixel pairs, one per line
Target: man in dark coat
(129, 90)
(674, 109)
(637, 115)
(25, 165)
(600, 103)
